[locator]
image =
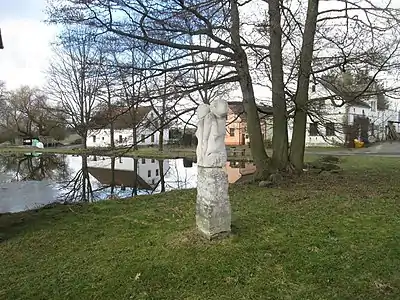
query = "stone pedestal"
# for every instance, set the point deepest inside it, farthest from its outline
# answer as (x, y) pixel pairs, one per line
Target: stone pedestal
(213, 210)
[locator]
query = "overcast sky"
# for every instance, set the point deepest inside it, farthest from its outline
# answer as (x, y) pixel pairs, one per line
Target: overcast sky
(26, 42)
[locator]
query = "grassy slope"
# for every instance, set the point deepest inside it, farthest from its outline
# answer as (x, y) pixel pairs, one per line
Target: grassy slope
(331, 237)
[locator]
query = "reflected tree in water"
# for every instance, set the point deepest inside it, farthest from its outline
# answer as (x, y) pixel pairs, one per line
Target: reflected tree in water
(177, 179)
(161, 182)
(79, 187)
(23, 168)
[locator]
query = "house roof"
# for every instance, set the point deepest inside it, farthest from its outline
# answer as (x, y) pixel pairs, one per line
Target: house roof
(237, 108)
(347, 95)
(123, 117)
(121, 178)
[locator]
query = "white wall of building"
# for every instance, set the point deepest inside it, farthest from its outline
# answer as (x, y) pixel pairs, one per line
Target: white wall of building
(339, 115)
(124, 137)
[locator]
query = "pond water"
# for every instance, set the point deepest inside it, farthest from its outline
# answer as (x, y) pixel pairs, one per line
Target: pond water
(28, 182)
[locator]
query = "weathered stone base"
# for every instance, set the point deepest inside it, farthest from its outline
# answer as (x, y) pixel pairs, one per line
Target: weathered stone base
(213, 210)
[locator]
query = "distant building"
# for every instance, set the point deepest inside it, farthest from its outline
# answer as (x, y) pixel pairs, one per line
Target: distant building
(124, 120)
(336, 124)
(236, 124)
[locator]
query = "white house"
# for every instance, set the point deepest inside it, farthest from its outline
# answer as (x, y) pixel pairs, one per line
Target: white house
(337, 124)
(143, 120)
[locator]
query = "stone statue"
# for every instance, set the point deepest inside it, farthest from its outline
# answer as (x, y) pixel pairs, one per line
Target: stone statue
(202, 111)
(210, 134)
(213, 212)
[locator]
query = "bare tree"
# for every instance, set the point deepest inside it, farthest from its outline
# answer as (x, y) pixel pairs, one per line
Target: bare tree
(339, 36)
(74, 78)
(173, 25)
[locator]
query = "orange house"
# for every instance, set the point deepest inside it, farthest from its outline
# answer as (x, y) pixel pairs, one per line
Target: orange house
(236, 123)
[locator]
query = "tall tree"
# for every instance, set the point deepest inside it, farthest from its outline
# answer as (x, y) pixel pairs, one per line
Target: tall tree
(280, 133)
(173, 25)
(74, 78)
(300, 118)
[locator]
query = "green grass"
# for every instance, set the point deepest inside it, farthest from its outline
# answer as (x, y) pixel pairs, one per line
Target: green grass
(330, 237)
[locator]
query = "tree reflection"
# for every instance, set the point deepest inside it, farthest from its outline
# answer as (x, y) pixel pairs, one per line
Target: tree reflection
(23, 168)
(79, 187)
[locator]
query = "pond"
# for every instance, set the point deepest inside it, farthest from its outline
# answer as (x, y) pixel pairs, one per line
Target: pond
(29, 182)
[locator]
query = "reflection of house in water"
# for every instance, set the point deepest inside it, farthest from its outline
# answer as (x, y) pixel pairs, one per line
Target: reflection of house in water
(127, 172)
(144, 174)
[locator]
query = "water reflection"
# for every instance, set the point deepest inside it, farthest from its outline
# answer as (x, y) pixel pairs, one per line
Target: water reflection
(51, 167)
(27, 182)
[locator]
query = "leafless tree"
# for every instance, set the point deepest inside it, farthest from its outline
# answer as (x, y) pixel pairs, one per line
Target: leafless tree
(320, 37)
(175, 24)
(74, 78)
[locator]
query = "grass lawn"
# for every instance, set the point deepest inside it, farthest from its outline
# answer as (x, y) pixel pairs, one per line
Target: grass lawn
(336, 236)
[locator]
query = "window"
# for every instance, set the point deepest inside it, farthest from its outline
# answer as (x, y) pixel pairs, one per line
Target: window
(157, 172)
(372, 129)
(314, 129)
(153, 181)
(152, 138)
(363, 112)
(232, 131)
(120, 138)
(313, 88)
(102, 138)
(149, 173)
(143, 161)
(120, 160)
(151, 116)
(94, 158)
(330, 129)
(153, 160)
(94, 138)
(143, 138)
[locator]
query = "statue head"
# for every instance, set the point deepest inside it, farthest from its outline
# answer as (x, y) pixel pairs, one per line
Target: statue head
(219, 108)
(202, 110)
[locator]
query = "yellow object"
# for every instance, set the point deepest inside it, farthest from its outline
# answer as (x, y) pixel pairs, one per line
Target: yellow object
(358, 144)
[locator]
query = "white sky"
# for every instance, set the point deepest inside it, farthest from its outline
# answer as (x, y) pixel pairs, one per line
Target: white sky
(26, 42)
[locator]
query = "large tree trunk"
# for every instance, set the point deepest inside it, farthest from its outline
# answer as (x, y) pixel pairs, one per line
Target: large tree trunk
(258, 152)
(134, 129)
(112, 120)
(300, 119)
(84, 140)
(280, 157)
(112, 140)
